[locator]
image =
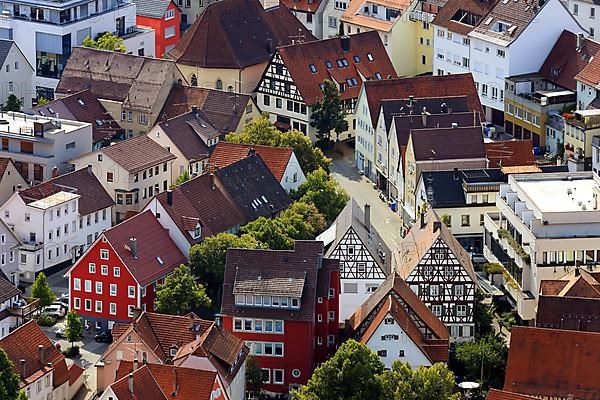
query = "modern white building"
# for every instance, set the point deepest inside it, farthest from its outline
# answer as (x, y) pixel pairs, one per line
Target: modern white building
(47, 30)
(511, 38)
(546, 225)
(57, 220)
(40, 146)
(9, 253)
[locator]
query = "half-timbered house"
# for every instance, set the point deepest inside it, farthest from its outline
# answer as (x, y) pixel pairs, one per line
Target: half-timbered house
(397, 325)
(439, 270)
(293, 81)
(364, 257)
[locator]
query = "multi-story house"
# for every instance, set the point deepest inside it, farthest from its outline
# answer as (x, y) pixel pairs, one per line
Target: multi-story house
(284, 305)
(131, 171)
(497, 43)
(221, 201)
(434, 149)
(397, 325)
(42, 369)
(332, 14)
(367, 109)
(164, 17)
(131, 88)
(84, 106)
(10, 179)
(364, 257)
(226, 111)
(531, 99)
(190, 11)
(234, 57)
(546, 224)
(282, 161)
(310, 13)
(9, 253)
(39, 145)
(17, 74)
(584, 12)
(119, 272)
(293, 81)
(57, 220)
(185, 342)
(580, 129)
(439, 270)
(47, 31)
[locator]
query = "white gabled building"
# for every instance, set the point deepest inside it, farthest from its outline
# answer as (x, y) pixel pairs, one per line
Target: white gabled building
(512, 38)
(57, 220)
(16, 74)
(310, 13)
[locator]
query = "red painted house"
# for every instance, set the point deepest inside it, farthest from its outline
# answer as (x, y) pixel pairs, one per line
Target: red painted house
(284, 305)
(164, 16)
(119, 272)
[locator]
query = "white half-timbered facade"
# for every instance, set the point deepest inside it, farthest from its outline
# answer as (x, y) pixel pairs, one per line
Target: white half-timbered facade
(440, 272)
(364, 257)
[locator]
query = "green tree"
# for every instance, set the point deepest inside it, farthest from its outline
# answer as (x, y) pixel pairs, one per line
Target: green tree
(424, 383)
(484, 358)
(328, 115)
(483, 314)
(253, 375)
(207, 259)
(446, 220)
(180, 293)
(12, 103)
(73, 328)
(353, 373)
(9, 379)
(270, 231)
(303, 220)
(107, 41)
(260, 131)
(41, 290)
(42, 101)
(324, 192)
(182, 178)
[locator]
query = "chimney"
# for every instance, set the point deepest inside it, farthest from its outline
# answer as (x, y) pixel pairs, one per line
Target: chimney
(175, 385)
(437, 225)
(456, 174)
(194, 108)
(89, 169)
(54, 172)
(454, 125)
(23, 368)
(269, 46)
(367, 217)
(130, 383)
(424, 117)
(133, 247)
(580, 39)
(41, 353)
(422, 220)
(191, 322)
(345, 44)
(169, 197)
(212, 181)
(135, 364)
(251, 151)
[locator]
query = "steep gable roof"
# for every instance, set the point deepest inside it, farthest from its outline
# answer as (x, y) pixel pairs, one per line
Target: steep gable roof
(7, 289)
(156, 255)
(509, 153)
(276, 158)
(366, 57)
(553, 363)
(137, 153)
(190, 134)
(143, 386)
(236, 34)
(83, 106)
(93, 196)
(447, 143)
(4, 163)
(5, 46)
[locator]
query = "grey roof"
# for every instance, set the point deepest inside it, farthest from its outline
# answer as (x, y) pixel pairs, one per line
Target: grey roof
(5, 46)
(151, 8)
(7, 289)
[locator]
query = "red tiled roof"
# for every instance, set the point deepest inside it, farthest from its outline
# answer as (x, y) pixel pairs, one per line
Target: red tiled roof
(305, 6)
(448, 143)
(4, 162)
(553, 363)
(299, 57)
(75, 371)
(144, 386)
(276, 158)
(509, 153)
(137, 153)
(234, 34)
(495, 394)
(82, 182)
(552, 287)
(453, 15)
(153, 242)
(175, 382)
(569, 313)
(565, 61)
(421, 86)
(22, 344)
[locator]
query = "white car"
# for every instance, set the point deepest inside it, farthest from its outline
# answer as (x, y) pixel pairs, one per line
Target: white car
(56, 310)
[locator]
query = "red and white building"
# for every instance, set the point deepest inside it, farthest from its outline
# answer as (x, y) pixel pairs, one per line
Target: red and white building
(165, 18)
(119, 272)
(284, 305)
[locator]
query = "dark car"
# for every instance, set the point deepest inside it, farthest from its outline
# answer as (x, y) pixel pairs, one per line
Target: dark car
(103, 337)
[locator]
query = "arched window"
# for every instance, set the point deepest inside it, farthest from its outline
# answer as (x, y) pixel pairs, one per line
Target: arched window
(219, 84)
(194, 80)
(230, 88)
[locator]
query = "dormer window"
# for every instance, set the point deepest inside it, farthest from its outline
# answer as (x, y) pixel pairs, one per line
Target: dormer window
(197, 232)
(173, 351)
(295, 302)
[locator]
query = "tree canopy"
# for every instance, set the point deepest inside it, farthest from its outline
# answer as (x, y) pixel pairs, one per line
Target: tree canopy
(324, 192)
(107, 41)
(41, 290)
(9, 379)
(328, 115)
(180, 293)
(253, 375)
(488, 354)
(270, 231)
(73, 328)
(12, 103)
(261, 131)
(304, 219)
(424, 383)
(184, 177)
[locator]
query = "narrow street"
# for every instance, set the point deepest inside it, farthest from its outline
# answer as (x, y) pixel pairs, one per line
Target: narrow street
(387, 223)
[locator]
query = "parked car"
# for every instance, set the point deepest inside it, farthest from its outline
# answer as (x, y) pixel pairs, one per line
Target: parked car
(104, 337)
(60, 333)
(55, 310)
(63, 300)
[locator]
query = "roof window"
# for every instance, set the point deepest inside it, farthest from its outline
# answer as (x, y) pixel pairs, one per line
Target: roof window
(356, 59)
(328, 65)
(370, 56)
(313, 69)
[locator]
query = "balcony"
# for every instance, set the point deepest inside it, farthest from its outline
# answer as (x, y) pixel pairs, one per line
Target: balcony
(421, 16)
(27, 309)
(525, 301)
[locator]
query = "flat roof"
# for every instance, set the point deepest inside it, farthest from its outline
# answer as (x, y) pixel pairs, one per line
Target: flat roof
(21, 124)
(53, 200)
(559, 195)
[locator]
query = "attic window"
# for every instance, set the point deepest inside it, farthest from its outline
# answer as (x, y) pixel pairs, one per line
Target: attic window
(51, 110)
(351, 82)
(342, 87)
(378, 75)
(328, 65)
(313, 69)
(160, 260)
(370, 56)
(42, 113)
(356, 59)
(81, 102)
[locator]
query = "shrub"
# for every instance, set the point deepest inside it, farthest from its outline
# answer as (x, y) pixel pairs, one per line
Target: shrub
(493, 268)
(46, 320)
(71, 352)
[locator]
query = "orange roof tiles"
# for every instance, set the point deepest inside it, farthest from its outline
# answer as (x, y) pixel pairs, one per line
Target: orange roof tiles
(495, 394)
(306, 6)
(353, 14)
(140, 385)
(75, 371)
(510, 153)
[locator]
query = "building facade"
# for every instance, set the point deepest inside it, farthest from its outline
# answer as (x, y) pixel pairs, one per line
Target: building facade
(164, 18)
(16, 75)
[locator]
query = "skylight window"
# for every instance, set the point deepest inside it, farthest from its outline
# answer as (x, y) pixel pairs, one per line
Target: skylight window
(51, 110)
(99, 122)
(339, 63)
(160, 260)
(356, 59)
(370, 56)
(313, 69)
(43, 114)
(328, 65)
(378, 75)
(81, 102)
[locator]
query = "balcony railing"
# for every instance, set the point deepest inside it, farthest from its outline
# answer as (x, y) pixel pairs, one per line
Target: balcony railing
(27, 310)
(421, 16)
